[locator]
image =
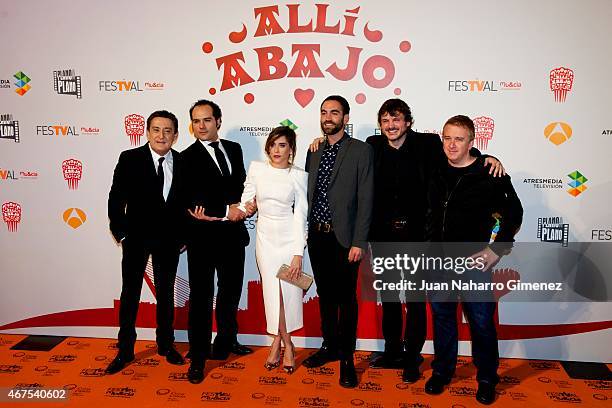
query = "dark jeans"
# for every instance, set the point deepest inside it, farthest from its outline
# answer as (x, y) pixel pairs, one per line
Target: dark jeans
(165, 261)
(336, 280)
(480, 316)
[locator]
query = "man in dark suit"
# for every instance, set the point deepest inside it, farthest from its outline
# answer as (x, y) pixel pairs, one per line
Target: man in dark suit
(144, 209)
(216, 237)
(340, 190)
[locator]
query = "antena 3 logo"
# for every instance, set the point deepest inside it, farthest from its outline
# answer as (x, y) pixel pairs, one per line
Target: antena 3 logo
(310, 60)
(552, 229)
(66, 82)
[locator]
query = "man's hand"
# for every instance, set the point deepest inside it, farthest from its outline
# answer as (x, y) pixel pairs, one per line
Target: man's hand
(198, 213)
(234, 214)
(314, 146)
(355, 254)
(295, 268)
(251, 208)
(497, 170)
(489, 258)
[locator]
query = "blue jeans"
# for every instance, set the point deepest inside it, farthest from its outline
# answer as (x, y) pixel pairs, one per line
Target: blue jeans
(480, 316)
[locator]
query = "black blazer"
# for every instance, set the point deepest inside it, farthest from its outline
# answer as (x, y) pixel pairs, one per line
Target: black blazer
(136, 207)
(205, 185)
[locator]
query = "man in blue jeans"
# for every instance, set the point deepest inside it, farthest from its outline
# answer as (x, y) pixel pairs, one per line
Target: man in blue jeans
(465, 203)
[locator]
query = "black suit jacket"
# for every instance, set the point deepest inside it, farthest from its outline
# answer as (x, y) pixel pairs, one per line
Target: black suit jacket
(205, 186)
(136, 206)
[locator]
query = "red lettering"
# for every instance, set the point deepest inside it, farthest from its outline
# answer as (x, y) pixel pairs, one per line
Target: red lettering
(349, 26)
(233, 73)
(270, 57)
(267, 25)
(294, 21)
(376, 62)
(322, 26)
(305, 63)
(349, 72)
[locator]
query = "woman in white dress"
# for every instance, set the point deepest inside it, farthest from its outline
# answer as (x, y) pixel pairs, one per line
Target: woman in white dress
(279, 190)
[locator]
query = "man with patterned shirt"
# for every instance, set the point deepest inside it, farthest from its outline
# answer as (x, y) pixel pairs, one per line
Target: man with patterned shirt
(340, 190)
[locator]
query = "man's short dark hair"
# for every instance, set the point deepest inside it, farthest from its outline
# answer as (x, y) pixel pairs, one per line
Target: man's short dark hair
(216, 110)
(463, 122)
(163, 114)
(394, 107)
(343, 102)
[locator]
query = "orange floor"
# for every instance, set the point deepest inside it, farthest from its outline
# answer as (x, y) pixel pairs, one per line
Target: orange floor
(77, 365)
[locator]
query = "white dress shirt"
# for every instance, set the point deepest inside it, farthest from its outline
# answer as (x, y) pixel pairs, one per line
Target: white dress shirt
(167, 165)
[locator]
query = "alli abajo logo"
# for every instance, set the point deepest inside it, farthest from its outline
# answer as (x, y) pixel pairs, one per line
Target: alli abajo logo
(483, 129)
(558, 132)
(22, 83)
(561, 81)
(304, 61)
(135, 128)
(11, 214)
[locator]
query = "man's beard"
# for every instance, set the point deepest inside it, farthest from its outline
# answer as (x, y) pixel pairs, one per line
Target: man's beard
(331, 131)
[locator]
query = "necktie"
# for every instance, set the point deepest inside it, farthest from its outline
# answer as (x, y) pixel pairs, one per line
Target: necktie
(220, 159)
(160, 174)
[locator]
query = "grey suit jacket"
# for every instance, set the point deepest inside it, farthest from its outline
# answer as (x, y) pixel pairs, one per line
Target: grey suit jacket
(350, 192)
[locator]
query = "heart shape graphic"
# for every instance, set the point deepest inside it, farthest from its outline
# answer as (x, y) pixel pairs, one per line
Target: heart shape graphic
(303, 96)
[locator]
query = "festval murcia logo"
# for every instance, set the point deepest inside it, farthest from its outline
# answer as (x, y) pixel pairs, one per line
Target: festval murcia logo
(11, 214)
(561, 81)
(577, 183)
(22, 83)
(9, 128)
(74, 217)
(309, 60)
(483, 127)
(72, 169)
(558, 132)
(134, 128)
(67, 82)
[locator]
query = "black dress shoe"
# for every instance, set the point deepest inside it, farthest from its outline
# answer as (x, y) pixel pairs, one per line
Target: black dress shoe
(486, 393)
(172, 355)
(387, 360)
(348, 376)
(411, 374)
(118, 363)
(321, 357)
(240, 350)
(195, 374)
(219, 353)
(435, 385)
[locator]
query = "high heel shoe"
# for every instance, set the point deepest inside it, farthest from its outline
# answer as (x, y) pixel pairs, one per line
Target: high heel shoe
(269, 365)
(289, 369)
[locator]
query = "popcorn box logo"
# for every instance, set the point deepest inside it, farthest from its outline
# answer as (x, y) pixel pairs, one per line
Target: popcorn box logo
(11, 214)
(483, 127)
(72, 169)
(561, 81)
(134, 128)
